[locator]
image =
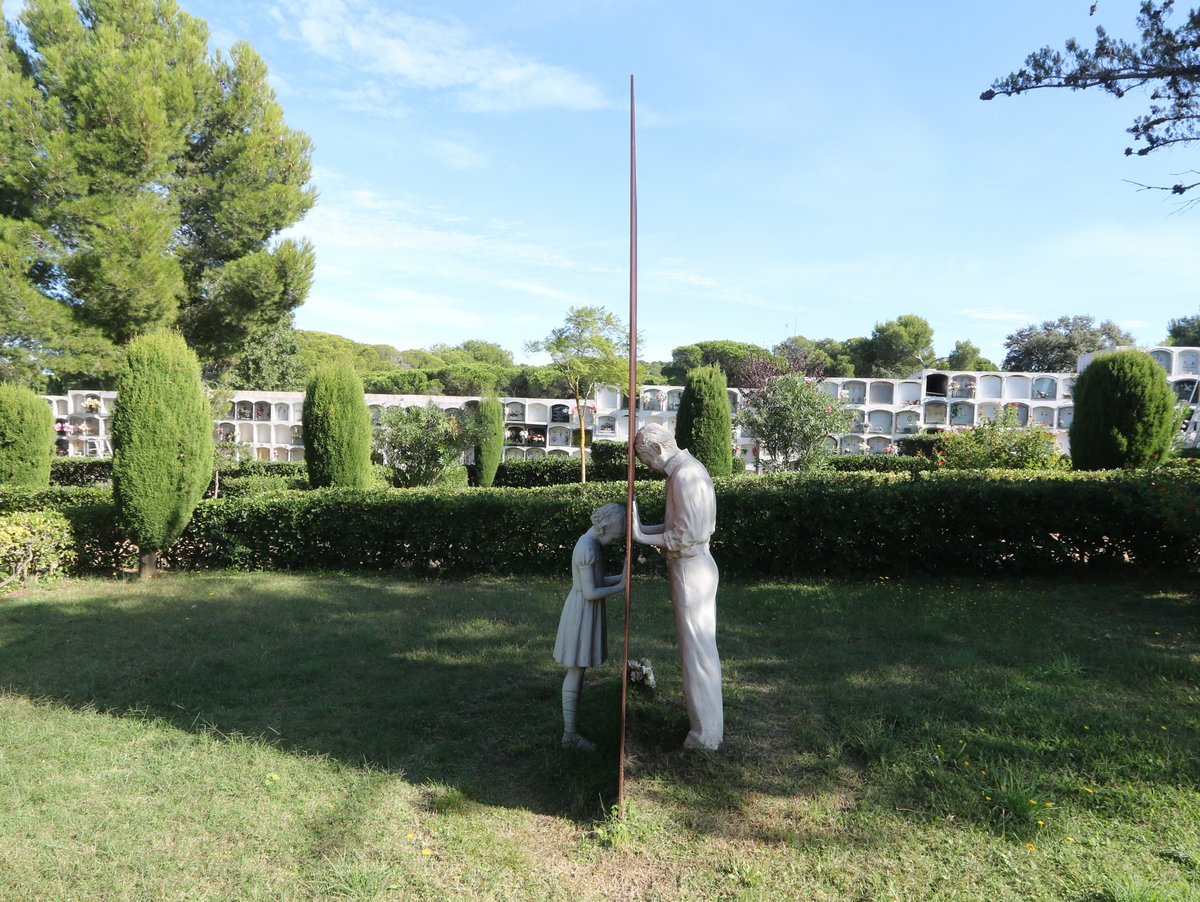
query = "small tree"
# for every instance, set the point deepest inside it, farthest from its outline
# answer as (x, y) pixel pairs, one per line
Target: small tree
(162, 443)
(587, 350)
(704, 425)
(790, 418)
(420, 445)
(1125, 415)
(26, 438)
(337, 429)
(491, 439)
(999, 442)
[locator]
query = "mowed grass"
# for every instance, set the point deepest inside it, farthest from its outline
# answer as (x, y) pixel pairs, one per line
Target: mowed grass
(275, 736)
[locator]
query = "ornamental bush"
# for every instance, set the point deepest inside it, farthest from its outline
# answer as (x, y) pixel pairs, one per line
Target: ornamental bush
(1125, 415)
(420, 445)
(162, 442)
(26, 438)
(790, 419)
(34, 545)
(337, 429)
(999, 442)
(704, 425)
(490, 449)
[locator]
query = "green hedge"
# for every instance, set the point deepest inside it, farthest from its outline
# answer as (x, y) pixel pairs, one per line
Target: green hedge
(34, 545)
(880, 463)
(608, 463)
(781, 526)
(81, 471)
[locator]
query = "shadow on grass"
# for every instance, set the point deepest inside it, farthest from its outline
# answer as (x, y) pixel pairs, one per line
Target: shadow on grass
(926, 701)
(872, 695)
(450, 685)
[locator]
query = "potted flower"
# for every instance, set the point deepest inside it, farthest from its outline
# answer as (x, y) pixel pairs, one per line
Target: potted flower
(91, 404)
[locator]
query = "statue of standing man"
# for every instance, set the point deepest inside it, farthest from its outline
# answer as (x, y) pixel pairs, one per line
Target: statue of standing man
(691, 517)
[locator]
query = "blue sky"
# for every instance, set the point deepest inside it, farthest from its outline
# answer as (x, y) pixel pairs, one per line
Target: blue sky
(803, 168)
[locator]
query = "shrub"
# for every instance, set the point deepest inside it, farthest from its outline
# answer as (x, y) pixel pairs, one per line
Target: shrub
(81, 471)
(490, 449)
(1125, 414)
(162, 442)
(418, 445)
(33, 545)
(704, 425)
(337, 429)
(879, 463)
(790, 419)
(925, 445)
(26, 437)
(999, 442)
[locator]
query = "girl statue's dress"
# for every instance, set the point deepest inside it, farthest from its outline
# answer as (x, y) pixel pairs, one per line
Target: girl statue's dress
(583, 627)
(582, 639)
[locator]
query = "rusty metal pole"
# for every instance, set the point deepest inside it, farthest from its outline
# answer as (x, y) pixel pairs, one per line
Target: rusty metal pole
(631, 427)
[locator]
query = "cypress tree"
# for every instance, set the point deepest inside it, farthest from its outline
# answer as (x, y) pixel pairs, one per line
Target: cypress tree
(1125, 414)
(337, 429)
(162, 443)
(491, 443)
(26, 438)
(704, 425)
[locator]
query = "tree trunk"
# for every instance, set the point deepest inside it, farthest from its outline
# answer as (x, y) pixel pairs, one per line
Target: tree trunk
(582, 439)
(148, 565)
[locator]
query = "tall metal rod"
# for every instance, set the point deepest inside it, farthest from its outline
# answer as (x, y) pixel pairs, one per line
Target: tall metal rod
(632, 423)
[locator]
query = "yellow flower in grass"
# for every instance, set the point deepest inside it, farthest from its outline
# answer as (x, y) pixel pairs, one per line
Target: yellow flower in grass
(410, 836)
(427, 851)
(1070, 839)
(1031, 847)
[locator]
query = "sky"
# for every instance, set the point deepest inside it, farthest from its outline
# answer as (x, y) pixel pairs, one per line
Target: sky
(803, 168)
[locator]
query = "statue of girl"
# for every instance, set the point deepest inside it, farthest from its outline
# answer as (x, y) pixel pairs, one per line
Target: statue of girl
(582, 629)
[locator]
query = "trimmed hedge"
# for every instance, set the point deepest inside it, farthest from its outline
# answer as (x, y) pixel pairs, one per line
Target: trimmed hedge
(781, 526)
(81, 471)
(34, 545)
(880, 463)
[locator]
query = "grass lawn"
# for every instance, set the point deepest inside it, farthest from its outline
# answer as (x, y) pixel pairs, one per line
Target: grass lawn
(276, 736)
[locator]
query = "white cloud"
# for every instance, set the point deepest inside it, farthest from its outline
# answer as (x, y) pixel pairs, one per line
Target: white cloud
(457, 156)
(409, 51)
(524, 286)
(998, 314)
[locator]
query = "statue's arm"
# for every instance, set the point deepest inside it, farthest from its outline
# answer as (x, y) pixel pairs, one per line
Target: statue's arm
(646, 535)
(593, 592)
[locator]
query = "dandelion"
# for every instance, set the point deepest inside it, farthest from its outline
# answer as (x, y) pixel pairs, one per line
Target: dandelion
(1070, 839)
(1033, 801)
(427, 851)
(1041, 823)
(1031, 847)
(1048, 804)
(411, 836)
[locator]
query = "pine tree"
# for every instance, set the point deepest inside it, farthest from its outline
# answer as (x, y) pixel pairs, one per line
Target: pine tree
(704, 425)
(162, 443)
(491, 442)
(1125, 415)
(144, 185)
(26, 438)
(337, 429)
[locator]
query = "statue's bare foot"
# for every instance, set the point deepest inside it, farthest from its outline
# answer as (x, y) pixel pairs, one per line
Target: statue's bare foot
(575, 741)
